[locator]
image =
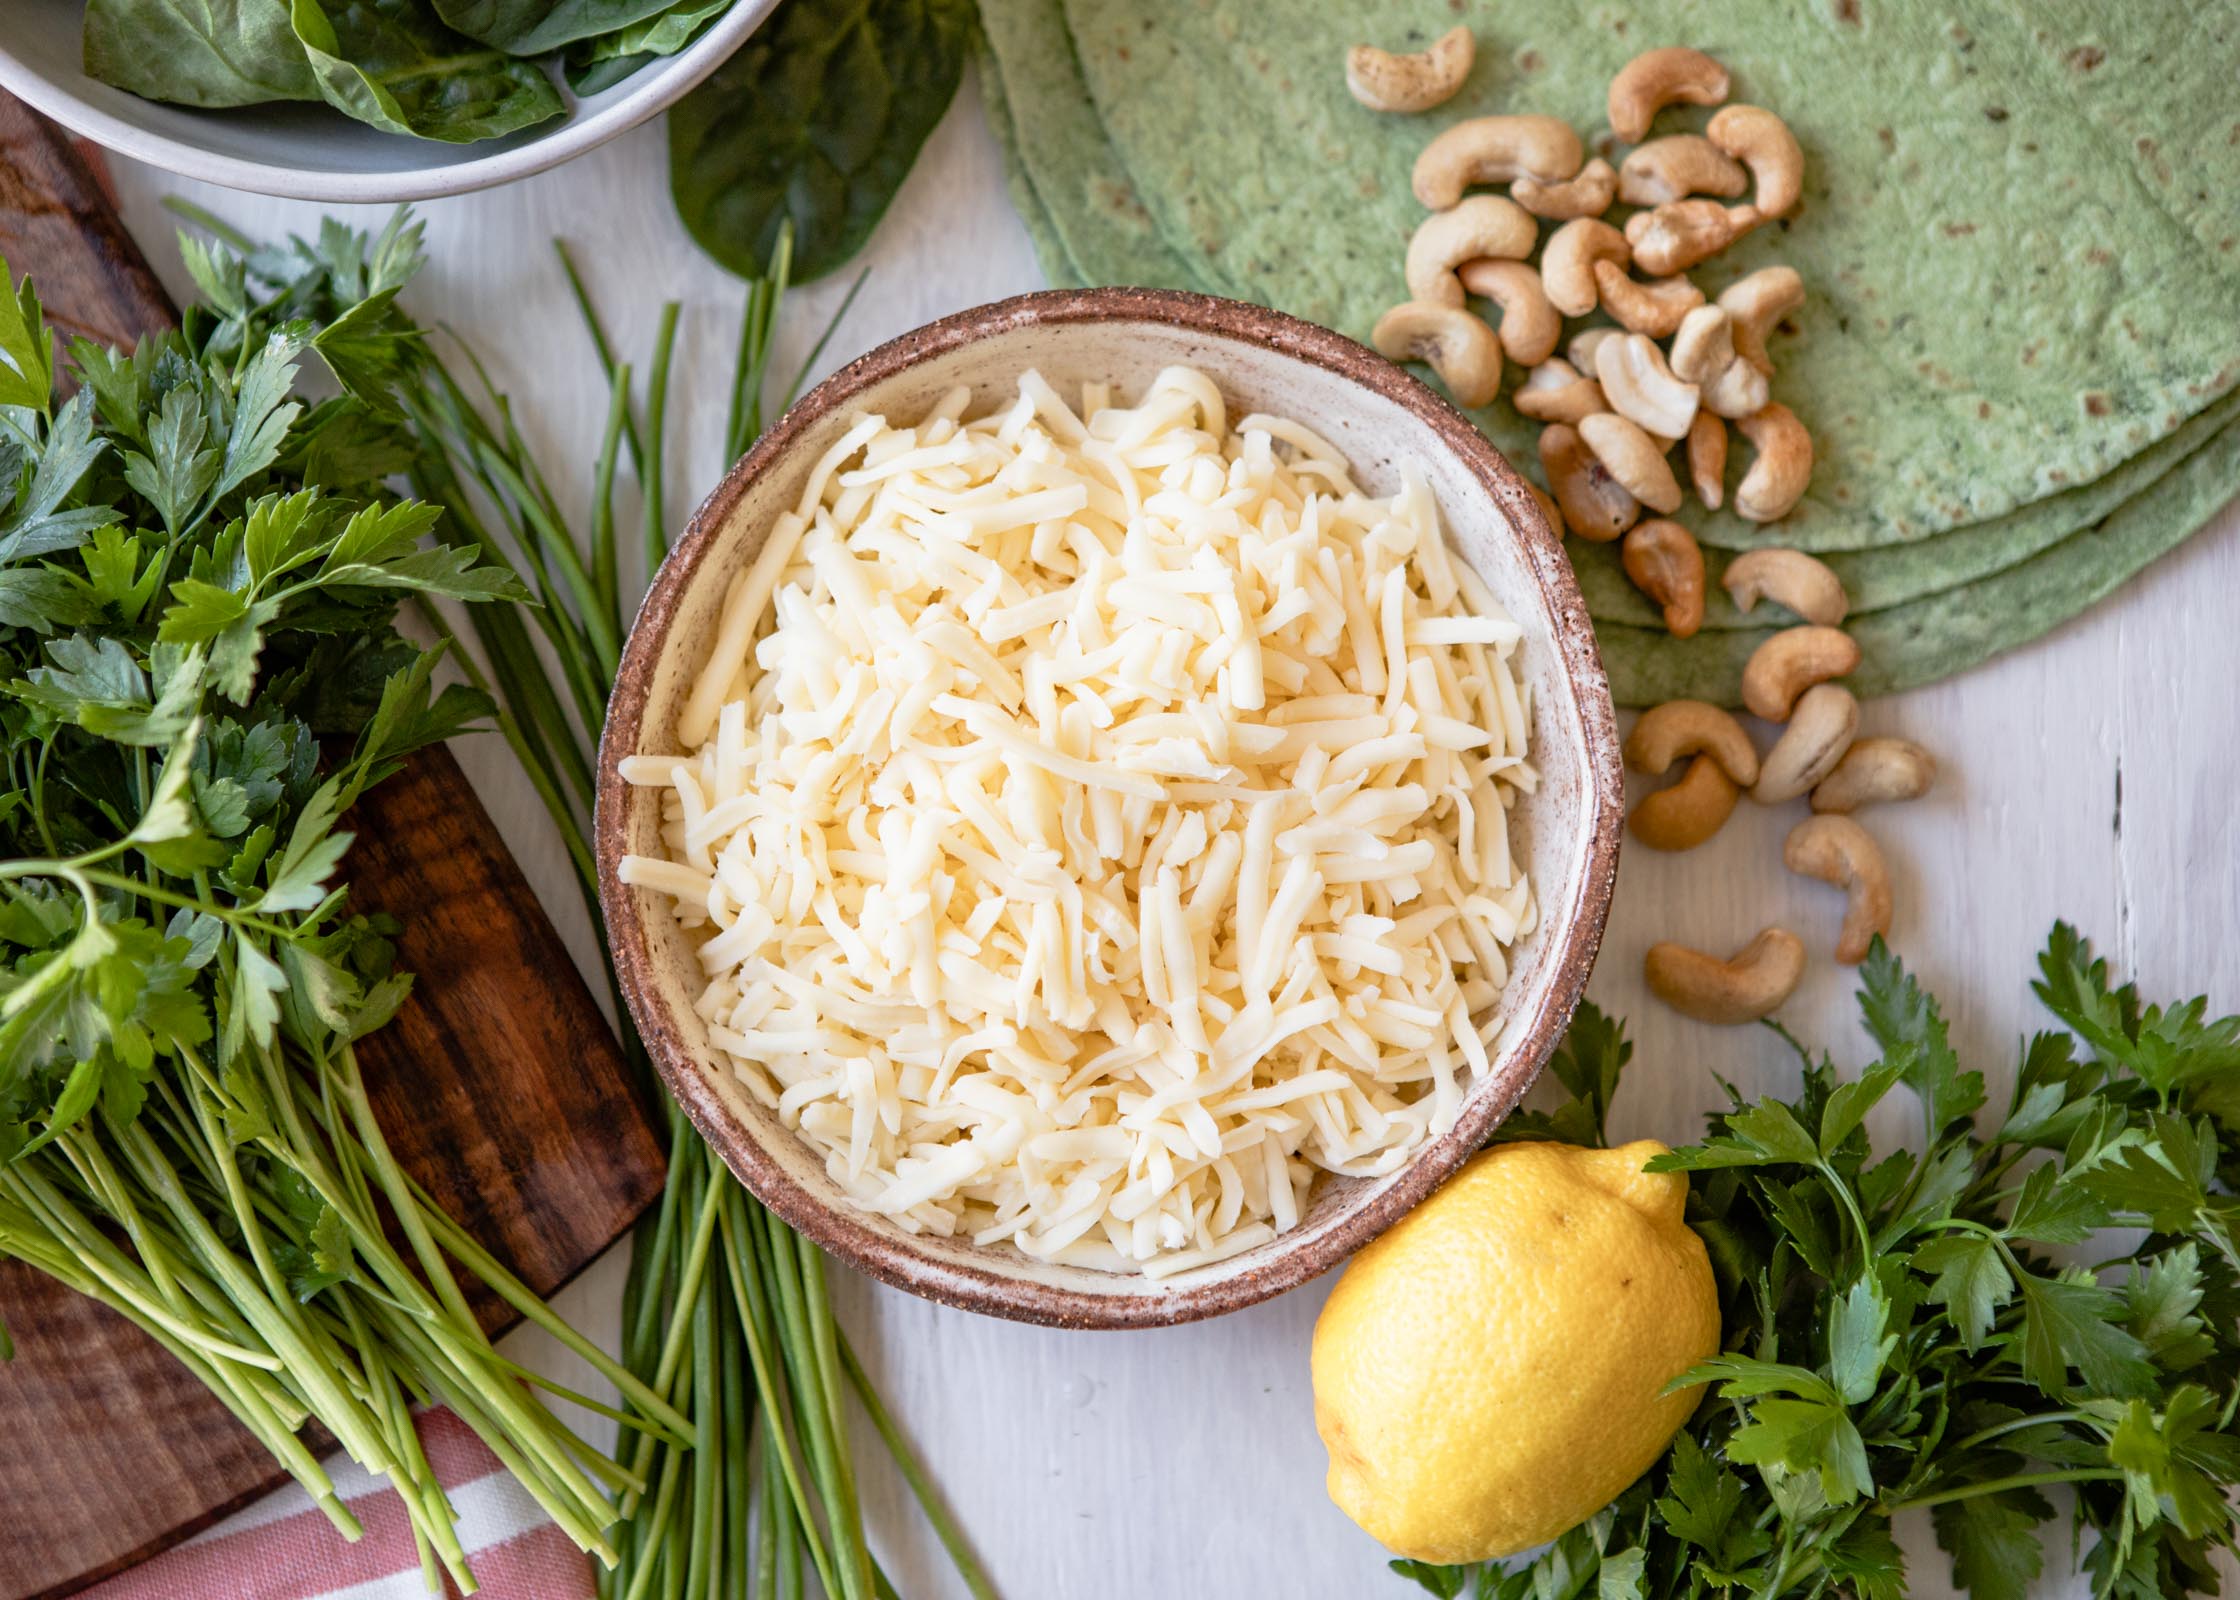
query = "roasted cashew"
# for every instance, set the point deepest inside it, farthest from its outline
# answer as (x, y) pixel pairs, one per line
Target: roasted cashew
(1585, 348)
(1679, 167)
(1762, 142)
(1791, 662)
(1586, 195)
(1595, 505)
(1641, 388)
(1755, 304)
(1483, 225)
(1384, 81)
(1776, 480)
(1703, 354)
(1530, 326)
(1655, 79)
(1804, 584)
(1825, 723)
(1651, 308)
(1875, 771)
(1837, 850)
(1567, 263)
(1459, 347)
(1666, 564)
(1495, 150)
(1682, 815)
(1707, 458)
(1663, 734)
(1678, 234)
(1633, 458)
(1554, 392)
(1743, 988)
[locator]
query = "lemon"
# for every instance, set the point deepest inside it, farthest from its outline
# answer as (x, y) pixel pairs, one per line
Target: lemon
(1490, 1372)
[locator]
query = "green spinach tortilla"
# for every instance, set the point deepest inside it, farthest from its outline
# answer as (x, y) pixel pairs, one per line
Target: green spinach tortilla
(2003, 300)
(2098, 490)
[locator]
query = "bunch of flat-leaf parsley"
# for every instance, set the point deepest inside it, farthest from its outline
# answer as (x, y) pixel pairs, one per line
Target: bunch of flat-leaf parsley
(199, 572)
(1946, 1328)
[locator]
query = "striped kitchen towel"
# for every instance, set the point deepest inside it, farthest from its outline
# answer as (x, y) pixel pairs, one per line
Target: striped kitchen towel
(283, 1548)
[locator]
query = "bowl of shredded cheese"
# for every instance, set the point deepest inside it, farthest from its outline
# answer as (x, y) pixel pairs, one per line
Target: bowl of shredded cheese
(1108, 804)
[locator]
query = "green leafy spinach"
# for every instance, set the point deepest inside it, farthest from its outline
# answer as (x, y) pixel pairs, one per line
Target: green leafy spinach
(816, 121)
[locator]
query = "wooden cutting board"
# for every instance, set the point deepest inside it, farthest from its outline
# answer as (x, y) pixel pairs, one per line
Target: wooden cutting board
(498, 1083)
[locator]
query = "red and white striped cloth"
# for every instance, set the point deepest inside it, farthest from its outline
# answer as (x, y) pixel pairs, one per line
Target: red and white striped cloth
(284, 1548)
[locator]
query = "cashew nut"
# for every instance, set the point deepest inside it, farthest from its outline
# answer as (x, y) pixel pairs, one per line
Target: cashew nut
(1495, 150)
(1459, 347)
(1762, 142)
(1742, 988)
(1595, 505)
(1776, 479)
(1755, 304)
(1875, 771)
(1567, 264)
(1666, 564)
(1587, 195)
(1651, 308)
(1804, 584)
(1655, 79)
(1585, 349)
(1641, 388)
(1530, 326)
(1791, 662)
(1633, 458)
(1663, 734)
(1554, 392)
(1676, 167)
(1383, 81)
(1483, 225)
(1703, 354)
(1683, 815)
(1678, 234)
(1707, 458)
(1837, 850)
(1826, 721)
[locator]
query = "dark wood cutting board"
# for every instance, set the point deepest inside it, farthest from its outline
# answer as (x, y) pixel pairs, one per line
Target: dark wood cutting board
(498, 1084)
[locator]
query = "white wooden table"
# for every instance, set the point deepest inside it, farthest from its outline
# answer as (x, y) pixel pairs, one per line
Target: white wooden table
(2089, 776)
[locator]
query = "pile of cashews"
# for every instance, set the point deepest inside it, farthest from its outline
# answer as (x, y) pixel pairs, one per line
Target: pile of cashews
(1615, 406)
(1616, 403)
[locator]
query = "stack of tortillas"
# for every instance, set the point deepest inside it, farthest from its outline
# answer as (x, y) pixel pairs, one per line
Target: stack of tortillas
(2020, 238)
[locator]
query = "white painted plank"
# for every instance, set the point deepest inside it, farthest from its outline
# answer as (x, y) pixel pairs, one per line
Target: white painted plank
(1185, 1462)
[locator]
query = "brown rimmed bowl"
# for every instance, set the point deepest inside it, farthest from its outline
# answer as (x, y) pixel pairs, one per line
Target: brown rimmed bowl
(1380, 417)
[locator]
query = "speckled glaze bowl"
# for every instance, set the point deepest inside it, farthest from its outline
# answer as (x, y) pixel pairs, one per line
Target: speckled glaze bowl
(1380, 417)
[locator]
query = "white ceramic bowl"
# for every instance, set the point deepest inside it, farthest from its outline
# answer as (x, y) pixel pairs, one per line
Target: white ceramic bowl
(313, 152)
(1566, 833)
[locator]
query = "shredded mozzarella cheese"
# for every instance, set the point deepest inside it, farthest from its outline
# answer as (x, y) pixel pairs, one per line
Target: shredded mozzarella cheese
(1096, 825)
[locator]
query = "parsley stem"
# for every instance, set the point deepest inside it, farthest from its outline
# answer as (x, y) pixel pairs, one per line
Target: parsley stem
(2021, 1480)
(2043, 1419)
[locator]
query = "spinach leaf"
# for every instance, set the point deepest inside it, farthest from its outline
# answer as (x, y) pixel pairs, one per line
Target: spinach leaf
(533, 27)
(599, 64)
(198, 52)
(393, 64)
(815, 121)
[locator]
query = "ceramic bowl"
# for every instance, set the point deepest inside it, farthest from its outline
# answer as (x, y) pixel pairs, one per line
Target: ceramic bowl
(1380, 417)
(312, 152)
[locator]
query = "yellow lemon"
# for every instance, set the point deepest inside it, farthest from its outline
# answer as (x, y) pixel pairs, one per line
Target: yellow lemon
(1490, 1372)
